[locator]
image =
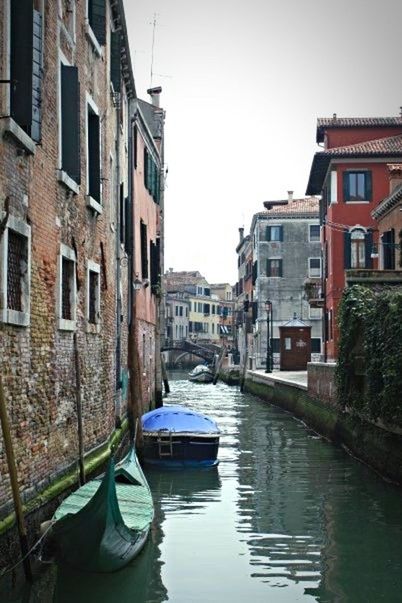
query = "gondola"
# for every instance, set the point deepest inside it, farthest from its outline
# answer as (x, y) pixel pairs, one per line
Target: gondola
(176, 436)
(104, 524)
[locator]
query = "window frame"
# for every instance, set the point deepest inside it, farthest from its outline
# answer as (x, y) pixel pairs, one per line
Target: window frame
(65, 324)
(269, 268)
(91, 107)
(368, 192)
(9, 315)
(310, 268)
(313, 240)
(93, 326)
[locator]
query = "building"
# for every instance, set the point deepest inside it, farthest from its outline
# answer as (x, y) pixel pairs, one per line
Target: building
(224, 293)
(388, 215)
(244, 297)
(177, 316)
(287, 254)
(351, 175)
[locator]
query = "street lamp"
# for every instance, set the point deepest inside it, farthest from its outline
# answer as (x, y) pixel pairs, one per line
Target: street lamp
(268, 308)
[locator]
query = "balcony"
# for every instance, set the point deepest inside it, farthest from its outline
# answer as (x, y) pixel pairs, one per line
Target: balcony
(313, 293)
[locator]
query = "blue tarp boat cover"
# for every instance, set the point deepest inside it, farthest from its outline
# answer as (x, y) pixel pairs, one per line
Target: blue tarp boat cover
(178, 419)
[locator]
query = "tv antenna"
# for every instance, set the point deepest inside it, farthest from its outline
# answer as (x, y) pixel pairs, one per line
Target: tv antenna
(152, 50)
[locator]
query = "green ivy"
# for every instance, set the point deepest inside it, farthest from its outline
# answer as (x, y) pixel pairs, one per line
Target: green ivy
(370, 325)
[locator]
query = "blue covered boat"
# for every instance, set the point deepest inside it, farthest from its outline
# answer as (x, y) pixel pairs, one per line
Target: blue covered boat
(175, 436)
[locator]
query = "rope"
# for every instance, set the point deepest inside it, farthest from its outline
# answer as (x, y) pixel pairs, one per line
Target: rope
(7, 570)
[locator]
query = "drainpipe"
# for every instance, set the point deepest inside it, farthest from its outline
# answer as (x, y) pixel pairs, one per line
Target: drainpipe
(118, 270)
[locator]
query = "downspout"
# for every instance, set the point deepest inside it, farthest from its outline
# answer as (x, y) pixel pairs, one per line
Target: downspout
(161, 297)
(118, 271)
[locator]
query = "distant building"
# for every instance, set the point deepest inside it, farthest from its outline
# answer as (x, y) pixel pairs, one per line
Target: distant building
(224, 293)
(244, 296)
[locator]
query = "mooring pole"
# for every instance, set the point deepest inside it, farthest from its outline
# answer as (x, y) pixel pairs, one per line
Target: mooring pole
(164, 376)
(5, 426)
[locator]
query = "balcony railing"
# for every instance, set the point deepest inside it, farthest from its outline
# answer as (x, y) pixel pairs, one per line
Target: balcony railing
(313, 292)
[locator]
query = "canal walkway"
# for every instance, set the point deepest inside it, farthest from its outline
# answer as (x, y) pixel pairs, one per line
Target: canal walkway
(296, 378)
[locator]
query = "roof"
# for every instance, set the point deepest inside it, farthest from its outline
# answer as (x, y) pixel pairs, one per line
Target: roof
(307, 207)
(153, 116)
(388, 203)
(326, 123)
(390, 146)
(119, 20)
(295, 322)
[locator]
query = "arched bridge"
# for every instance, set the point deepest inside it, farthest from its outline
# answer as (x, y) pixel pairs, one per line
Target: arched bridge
(207, 351)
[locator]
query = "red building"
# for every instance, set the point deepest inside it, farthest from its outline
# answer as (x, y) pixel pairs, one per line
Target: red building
(351, 175)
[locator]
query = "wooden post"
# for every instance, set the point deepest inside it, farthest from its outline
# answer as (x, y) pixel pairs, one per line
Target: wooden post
(219, 364)
(164, 376)
(243, 376)
(79, 411)
(8, 445)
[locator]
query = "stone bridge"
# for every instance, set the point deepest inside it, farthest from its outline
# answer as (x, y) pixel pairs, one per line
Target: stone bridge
(206, 351)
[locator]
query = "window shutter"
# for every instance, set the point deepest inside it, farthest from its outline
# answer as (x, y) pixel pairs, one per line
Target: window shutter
(267, 233)
(70, 127)
(135, 134)
(36, 77)
(255, 311)
(127, 221)
(94, 156)
(115, 61)
(369, 186)
(268, 269)
(280, 268)
(97, 19)
(346, 250)
(368, 244)
(145, 168)
(255, 272)
(281, 233)
(345, 186)
(21, 51)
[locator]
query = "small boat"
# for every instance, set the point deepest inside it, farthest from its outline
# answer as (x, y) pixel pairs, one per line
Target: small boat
(105, 523)
(201, 374)
(175, 436)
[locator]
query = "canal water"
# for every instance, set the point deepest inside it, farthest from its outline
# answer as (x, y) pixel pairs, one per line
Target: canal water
(285, 517)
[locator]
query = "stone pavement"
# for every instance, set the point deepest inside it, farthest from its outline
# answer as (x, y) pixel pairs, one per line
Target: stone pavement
(296, 378)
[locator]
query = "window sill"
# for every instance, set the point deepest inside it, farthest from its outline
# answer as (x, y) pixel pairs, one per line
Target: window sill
(92, 38)
(357, 202)
(14, 317)
(71, 184)
(95, 205)
(66, 325)
(93, 328)
(11, 127)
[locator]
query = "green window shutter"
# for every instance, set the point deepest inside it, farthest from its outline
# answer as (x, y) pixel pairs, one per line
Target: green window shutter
(127, 222)
(36, 129)
(145, 168)
(345, 186)
(115, 61)
(135, 149)
(280, 268)
(70, 122)
(368, 246)
(346, 250)
(281, 233)
(21, 57)
(268, 268)
(97, 19)
(267, 233)
(368, 186)
(94, 156)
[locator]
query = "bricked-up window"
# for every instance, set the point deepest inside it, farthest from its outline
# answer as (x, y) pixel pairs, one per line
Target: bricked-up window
(17, 266)
(93, 154)
(93, 296)
(97, 19)
(70, 122)
(26, 66)
(67, 288)
(144, 249)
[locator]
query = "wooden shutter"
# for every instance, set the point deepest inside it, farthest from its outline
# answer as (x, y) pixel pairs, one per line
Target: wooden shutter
(345, 186)
(94, 155)
(255, 272)
(368, 243)
(37, 77)
(145, 167)
(135, 150)
(144, 250)
(368, 186)
(155, 271)
(122, 203)
(268, 269)
(115, 61)
(97, 19)
(280, 270)
(346, 250)
(267, 233)
(129, 232)
(281, 233)
(21, 57)
(70, 122)
(255, 311)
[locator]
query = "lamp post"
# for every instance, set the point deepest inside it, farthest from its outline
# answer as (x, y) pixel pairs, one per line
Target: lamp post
(268, 308)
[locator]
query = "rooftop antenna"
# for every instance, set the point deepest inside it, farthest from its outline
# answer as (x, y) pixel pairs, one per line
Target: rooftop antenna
(152, 51)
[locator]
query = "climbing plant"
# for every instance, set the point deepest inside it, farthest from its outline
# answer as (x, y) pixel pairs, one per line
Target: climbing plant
(369, 370)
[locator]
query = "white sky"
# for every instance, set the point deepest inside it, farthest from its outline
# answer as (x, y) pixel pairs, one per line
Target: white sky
(243, 85)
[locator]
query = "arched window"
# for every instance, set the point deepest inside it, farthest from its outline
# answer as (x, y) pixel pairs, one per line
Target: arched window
(357, 248)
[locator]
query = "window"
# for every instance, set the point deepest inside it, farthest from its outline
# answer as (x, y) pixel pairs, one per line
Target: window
(181, 311)
(288, 343)
(97, 19)
(15, 266)
(93, 156)
(314, 233)
(67, 289)
(314, 267)
(207, 309)
(357, 248)
(388, 246)
(115, 60)
(213, 329)
(176, 310)
(274, 268)
(315, 313)
(316, 345)
(199, 307)
(93, 293)
(26, 66)
(144, 249)
(151, 176)
(357, 186)
(186, 312)
(70, 123)
(274, 233)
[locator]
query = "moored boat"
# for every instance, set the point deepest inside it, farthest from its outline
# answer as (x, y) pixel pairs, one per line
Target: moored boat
(176, 436)
(201, 374)
(104, 524)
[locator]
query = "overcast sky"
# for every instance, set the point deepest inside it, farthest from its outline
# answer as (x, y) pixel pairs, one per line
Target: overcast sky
(244, 82)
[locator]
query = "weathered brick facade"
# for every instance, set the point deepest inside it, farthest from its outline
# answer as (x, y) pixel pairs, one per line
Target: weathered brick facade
(53, 216)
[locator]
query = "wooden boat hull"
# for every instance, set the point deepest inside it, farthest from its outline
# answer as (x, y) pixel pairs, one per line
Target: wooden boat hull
(177, 450)
(104, 524)
(202, 378)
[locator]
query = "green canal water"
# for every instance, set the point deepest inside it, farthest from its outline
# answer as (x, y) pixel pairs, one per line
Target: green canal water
(286, 516)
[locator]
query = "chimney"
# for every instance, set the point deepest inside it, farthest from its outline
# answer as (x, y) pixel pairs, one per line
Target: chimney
(155, 93)
(334, 118)
(241, 232)
(394, 175)
(290, 196)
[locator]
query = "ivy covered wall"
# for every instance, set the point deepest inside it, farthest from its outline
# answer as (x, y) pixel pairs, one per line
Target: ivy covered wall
(369, 370)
